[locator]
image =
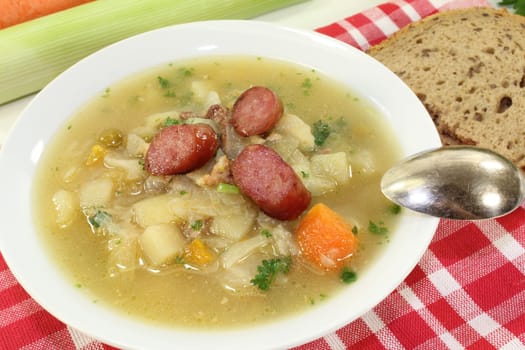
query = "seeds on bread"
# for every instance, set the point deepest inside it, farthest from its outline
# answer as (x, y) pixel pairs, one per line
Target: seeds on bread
(467, 66)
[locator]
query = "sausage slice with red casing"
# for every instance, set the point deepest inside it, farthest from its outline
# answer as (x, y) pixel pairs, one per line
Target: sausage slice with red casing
(179, 149)
(256, 111)
(261, 174)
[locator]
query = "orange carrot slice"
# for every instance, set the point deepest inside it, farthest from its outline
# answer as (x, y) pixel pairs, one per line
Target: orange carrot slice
(17, 11)
(325, 238)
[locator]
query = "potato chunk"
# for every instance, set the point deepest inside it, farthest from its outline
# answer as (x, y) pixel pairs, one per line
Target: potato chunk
(234, 226)
(293, 126)
(66, 205)
(332, 165)
(96, 193)
(162, 243)
(153, 210)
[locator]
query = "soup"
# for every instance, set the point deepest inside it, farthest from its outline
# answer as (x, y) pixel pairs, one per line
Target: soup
(165, 198)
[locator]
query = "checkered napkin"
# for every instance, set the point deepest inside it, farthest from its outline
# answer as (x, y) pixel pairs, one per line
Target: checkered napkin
(467, 292)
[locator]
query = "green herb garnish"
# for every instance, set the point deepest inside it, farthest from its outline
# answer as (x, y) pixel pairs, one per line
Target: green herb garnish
(179, 260)
(348, 276)
(307, 86)
(197, 225)
(517, 5)
(378, 228)
(186, 72)
(268, 270)
(321, 131)
(227, 188)
(394, 209)
(99, 218)
(169, 121)
(266, 233)
(163, 82)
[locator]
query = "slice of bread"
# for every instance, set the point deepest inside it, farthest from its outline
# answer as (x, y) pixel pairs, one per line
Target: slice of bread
(468, 68)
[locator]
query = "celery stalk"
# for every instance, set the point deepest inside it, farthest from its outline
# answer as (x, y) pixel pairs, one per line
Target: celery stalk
(35, 52)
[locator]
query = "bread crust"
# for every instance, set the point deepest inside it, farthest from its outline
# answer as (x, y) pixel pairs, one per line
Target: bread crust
(467, 66)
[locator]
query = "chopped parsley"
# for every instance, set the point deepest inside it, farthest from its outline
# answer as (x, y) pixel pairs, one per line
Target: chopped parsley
(163, 82)
(266, 233)
(348, 276)
(99, 218)
(169, 121)
(307, 86)
(185, 72)
(268, 270)
(378, 228)
(321, 131)
(197, 225)
(170, 93)
(106, 92)
(394, 209)
(355, 230)
(304, 174)
(179, 260)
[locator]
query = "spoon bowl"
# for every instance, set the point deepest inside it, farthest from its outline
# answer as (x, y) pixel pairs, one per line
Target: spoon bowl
(456, 182)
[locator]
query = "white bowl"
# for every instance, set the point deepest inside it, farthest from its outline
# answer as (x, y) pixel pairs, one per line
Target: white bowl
(56, 103)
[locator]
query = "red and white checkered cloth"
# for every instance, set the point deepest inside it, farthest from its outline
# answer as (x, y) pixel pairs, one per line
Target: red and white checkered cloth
(467, 292)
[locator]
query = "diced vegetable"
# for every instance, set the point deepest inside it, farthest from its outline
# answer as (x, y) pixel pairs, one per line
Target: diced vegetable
(99, 219)
(293, 126)
(136, 146)
(97, 153)
(154, 122)
(69, 35)
(240, 250)
(234, 226)
(323, 172)
(162, 243)
(96, 193)
(123, 256)
(236, 279)
(153, 210)
(200, 90)
(198, 253)
(227, 188)
(66, 204)
(325, 238)
(282, 240)
(331, 165)
(131, 166)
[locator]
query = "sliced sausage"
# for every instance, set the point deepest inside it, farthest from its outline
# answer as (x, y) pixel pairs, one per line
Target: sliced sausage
(261, 174)
(256, 111)
(179, 149)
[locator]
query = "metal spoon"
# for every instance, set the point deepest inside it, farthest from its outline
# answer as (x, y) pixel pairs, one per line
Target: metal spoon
(456, 182)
